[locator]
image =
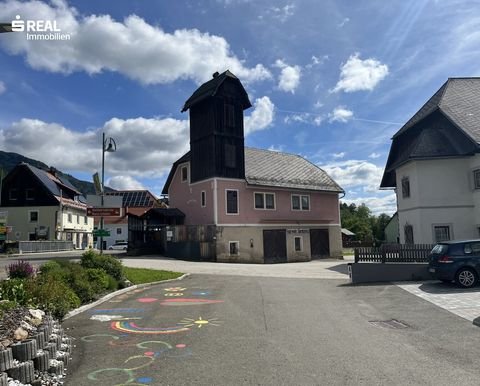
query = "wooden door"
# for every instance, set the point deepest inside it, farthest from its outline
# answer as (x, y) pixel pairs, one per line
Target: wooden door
(275, 246)
(319, 243)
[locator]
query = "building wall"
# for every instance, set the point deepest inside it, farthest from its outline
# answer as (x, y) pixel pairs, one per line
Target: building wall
(392, 230)
(324, 208)
(250, 240)
(18, 219)
(441, 193)
(187, 198)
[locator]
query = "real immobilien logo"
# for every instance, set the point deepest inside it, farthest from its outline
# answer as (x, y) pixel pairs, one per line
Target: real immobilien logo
(39, 29)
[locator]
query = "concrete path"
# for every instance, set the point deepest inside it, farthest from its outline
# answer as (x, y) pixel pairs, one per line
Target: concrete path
(315, 269)
(462, 302)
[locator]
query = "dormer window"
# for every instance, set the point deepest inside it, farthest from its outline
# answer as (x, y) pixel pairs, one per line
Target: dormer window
(184, 171)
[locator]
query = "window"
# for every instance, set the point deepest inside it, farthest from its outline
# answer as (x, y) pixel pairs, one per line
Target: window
(233, 248)
(232, 201)
(442, 233)
(300, 202)
(230, 156)
(229, 115)
(405, 187)
(69, 217)
(33, 216)
(78, 219)
(184, 173)
(85, 220)
(476, 178)
(119, 231)
(203, 199)
(12, 194)
(408, 230)
(264, 201)
(298, 241)
(29, 194)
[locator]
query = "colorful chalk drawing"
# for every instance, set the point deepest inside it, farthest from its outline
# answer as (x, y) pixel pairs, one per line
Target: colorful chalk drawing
(137, 362)
(132, 328)
(188, 302)
(187, 322)
(116, 310)
(174, 289)
(109, 318)
(128, 333)
(147, 300)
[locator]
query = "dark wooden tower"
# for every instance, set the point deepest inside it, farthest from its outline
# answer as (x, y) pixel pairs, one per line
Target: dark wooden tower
(216, 128)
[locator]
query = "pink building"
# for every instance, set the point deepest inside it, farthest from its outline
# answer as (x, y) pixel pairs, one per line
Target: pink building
(266, 206)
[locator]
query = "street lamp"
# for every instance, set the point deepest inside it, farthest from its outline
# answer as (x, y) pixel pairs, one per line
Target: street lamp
(108, 146)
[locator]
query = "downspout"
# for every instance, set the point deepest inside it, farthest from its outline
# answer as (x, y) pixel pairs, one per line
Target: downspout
(215, 202)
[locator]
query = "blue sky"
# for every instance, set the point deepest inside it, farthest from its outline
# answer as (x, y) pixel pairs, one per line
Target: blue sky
(330, 80)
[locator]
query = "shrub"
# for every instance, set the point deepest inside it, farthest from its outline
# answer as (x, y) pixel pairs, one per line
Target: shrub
(108, 263)
(53, 296)
(15, 290)
(99, 279)
(20, 269)
(49, 266)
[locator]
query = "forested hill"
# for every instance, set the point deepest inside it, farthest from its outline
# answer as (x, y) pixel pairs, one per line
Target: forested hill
(9, 160)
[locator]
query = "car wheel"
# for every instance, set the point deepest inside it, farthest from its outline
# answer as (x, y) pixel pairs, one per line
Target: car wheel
(466, 277)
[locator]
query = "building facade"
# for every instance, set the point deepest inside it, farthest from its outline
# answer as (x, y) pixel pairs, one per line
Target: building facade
(267, 206)
(434, 167)
(41, 205)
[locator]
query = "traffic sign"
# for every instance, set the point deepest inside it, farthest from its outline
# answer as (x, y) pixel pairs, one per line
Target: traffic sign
(101, 233)
(103, 212)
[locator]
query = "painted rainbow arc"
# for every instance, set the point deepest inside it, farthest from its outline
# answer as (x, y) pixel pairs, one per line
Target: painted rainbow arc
(132, 328)
(188, 302)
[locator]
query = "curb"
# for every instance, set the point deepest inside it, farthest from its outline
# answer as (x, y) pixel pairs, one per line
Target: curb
(86, 307)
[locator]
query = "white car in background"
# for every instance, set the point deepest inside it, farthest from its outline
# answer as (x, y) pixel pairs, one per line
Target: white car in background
(121, 245)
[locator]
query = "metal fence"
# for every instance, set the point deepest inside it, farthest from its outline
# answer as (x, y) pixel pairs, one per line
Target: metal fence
(394, 253)
(44, 246)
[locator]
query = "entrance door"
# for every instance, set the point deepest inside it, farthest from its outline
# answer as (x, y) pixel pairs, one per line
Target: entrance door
(319, 243)
(275, 246)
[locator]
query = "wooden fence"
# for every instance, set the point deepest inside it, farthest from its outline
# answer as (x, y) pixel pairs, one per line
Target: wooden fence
(394, 253)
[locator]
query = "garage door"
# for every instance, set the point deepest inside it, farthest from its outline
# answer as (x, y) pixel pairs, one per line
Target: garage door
(319, 244)
(275, 246)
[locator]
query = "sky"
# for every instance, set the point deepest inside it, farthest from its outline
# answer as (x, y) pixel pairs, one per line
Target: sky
(331, 80)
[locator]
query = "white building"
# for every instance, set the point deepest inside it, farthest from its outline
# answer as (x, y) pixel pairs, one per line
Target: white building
(434, 166)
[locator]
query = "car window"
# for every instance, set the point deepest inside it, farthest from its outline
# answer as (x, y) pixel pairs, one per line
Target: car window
(475, 247)
(439, 249)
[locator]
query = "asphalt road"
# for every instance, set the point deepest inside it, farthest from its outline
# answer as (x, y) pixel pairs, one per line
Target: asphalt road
(271, 331)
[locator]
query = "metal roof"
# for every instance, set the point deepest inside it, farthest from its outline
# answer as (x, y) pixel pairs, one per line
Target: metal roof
(283, 170)
(276, 169)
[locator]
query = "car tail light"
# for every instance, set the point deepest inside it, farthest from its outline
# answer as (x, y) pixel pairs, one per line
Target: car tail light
(445, 259)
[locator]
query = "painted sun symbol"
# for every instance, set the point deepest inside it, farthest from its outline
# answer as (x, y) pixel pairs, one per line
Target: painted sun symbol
(200, 322)
(174, 289)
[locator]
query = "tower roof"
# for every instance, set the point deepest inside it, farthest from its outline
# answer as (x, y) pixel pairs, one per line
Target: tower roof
(210, 88)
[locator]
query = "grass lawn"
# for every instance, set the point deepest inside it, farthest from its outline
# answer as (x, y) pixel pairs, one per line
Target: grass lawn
(145, 275)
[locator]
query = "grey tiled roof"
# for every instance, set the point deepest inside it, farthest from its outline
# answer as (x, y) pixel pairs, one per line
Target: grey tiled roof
(459, 100)
(271, 168)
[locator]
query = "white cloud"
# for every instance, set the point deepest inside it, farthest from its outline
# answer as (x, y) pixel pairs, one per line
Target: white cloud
(132, 47)
(374, 155)
(357, 74)
(289, 78)
(343, 22)
(279, 148)
(145, 147)
(261, 117)
(339, 155)
(3, 88)
(124, 183)
(283, 13)
(340, 114)
(297, 118)
(385, 202)
(356, 173)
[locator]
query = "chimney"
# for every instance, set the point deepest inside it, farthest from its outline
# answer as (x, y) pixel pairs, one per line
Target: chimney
(53, 171)
(215, 74)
